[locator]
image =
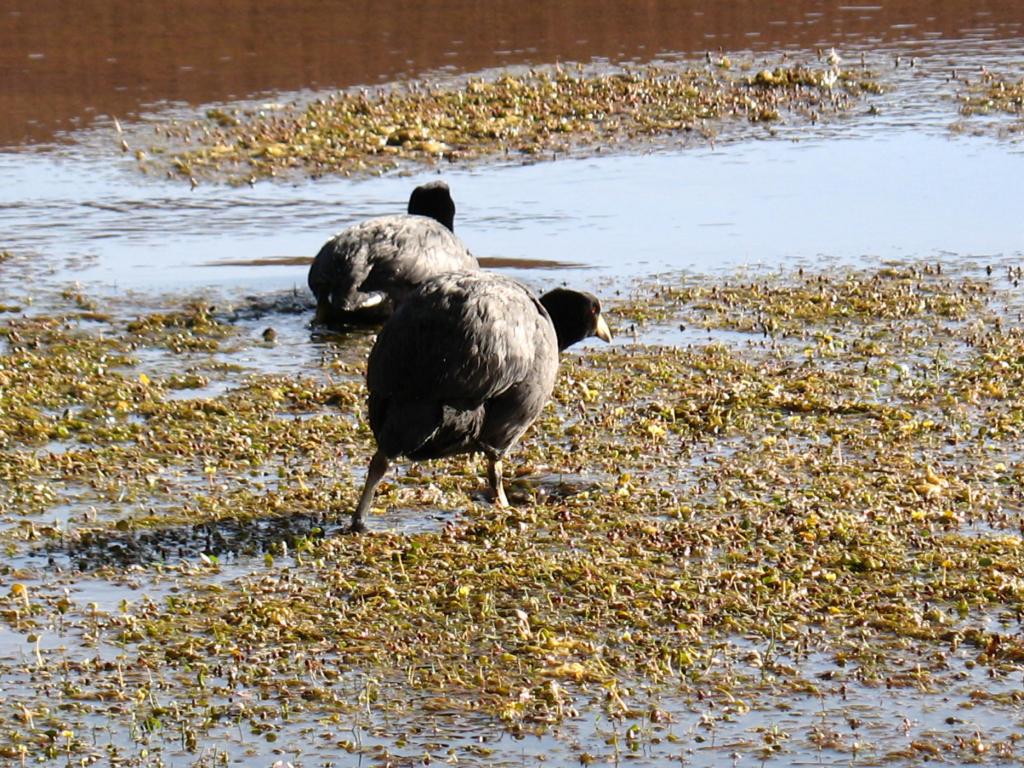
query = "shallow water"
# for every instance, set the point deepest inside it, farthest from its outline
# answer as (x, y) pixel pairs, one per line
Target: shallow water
(903, 195)
(867, 188)
(899, 183)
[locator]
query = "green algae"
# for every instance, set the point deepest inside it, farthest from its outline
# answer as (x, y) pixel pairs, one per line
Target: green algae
(540, 112)
(837, 476)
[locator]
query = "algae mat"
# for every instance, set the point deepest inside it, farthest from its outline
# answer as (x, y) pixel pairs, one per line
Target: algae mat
(764, 537)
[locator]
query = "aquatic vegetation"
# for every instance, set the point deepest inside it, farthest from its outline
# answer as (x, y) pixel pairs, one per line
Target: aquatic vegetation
(521, 114)
(815, 491)
(993, 93)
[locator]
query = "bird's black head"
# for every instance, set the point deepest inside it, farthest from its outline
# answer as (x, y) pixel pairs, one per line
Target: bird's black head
(434, 200)
(575, 315)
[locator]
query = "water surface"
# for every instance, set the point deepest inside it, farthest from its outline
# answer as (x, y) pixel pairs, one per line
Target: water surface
(902, 195)
(63, 66)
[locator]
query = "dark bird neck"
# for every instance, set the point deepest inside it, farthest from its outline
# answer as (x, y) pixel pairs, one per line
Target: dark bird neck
(434, 200)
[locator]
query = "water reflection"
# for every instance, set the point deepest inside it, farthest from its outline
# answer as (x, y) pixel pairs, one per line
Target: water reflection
(64, 65)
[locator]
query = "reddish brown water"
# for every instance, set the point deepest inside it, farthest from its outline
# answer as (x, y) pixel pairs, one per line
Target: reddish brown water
(63, 64)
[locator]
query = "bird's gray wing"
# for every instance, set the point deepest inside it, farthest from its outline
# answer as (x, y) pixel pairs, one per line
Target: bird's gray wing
(456, 344)
(388, 254)
(460, 338)
(460, 346)
(411, 250)
(345, 261)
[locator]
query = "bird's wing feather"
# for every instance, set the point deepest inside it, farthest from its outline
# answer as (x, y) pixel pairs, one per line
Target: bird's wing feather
(460, 339)
(388, 254)
(414, 249)
(344, 262)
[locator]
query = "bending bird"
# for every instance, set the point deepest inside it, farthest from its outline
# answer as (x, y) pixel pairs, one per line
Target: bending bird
(465, 364)
(363, 272)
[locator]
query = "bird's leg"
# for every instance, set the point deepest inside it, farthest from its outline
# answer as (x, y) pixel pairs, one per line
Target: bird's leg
(378, 466)
(323, 311)
(494, 478)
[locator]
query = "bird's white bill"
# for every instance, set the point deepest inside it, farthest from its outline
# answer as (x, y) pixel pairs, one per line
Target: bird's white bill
(371, 301)
(602, 331)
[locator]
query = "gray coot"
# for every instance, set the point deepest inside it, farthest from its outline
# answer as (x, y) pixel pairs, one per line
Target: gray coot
(465, 364)
(362, 273)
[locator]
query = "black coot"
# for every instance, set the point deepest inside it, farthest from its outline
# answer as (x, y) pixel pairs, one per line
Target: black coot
(465, 364)
(362, 273)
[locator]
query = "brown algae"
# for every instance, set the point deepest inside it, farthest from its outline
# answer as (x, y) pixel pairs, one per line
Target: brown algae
(818, 486)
